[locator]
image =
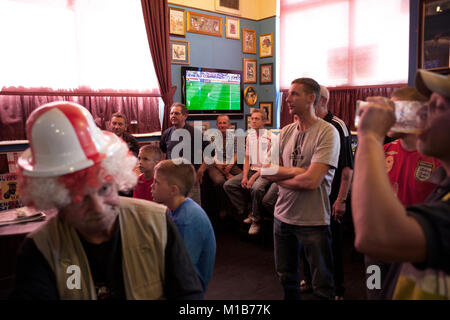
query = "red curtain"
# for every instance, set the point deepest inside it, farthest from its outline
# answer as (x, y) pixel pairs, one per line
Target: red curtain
(156, 18)
(15, 109)
(343, 102)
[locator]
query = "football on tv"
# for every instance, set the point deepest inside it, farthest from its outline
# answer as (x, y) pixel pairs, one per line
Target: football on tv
(212, 91)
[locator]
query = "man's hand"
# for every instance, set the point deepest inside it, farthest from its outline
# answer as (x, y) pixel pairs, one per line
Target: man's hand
(377, 118)
(200, 173)
(244, 182)
(251, 181)
(338, 210)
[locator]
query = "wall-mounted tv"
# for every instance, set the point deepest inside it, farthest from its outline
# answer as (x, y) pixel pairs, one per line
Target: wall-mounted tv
(209, 91)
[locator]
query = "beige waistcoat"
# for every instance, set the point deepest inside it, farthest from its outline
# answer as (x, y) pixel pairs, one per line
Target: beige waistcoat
(144, 236)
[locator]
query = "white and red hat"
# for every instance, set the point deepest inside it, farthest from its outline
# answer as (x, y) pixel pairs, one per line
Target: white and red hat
(63, 139)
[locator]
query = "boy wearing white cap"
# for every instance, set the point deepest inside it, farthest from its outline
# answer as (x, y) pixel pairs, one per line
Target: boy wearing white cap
(99, 245)
(418, 236)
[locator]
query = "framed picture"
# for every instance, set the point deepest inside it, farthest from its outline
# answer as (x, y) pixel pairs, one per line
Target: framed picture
(250, 95)
(434, 36)
(267, 108)
(176, 22)
(249, 68)
(266, 73)
(232, 30)
(248, 41)
(205, 124)
(248, 120)
(204, 24)
(228, 6)
(179, 51)
(266, 45)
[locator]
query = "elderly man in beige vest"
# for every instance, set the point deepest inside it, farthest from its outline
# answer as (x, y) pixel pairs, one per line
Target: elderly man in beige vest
(99, 245)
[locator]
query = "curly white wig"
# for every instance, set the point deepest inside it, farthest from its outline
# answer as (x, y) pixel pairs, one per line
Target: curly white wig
(56, 192)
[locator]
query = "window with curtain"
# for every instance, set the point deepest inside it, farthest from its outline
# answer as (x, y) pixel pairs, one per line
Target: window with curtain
(68, 44)
(93, 52)
(344, 42)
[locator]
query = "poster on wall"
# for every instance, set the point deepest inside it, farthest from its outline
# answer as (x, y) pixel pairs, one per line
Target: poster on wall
(9, 192)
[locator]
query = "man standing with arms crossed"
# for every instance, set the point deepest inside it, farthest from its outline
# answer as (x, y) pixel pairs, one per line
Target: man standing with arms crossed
(309, 150)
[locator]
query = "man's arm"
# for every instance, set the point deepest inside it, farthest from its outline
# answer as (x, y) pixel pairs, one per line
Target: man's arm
(382, 228)
(339, 205)
(34, 279)
(310, 179)
(278, 173)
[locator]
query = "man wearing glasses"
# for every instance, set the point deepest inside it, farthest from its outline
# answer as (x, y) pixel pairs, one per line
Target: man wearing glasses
(309, 152)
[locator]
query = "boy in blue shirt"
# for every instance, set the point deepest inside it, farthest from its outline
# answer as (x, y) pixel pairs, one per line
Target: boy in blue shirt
(173, 180)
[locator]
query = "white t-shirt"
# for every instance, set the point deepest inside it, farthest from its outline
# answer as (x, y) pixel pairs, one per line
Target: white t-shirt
(318, 144)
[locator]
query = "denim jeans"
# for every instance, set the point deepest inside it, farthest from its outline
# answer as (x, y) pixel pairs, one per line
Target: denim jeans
(316, 243)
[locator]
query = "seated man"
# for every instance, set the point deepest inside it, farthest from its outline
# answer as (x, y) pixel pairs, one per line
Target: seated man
(148, 157)
(224, 167)
(418, 236)
(119, 127)
(99, 245)
(173, 181)
(258, 141)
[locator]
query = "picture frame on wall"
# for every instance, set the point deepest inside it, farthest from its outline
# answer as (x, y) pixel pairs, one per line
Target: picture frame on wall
(177, 22)
(248, 41)
(266, 73)
(250, 96)
(267, 108)
(250, 70)
(228, 6)
(205, 125)
(204, 24)
(248, 120)
(179, 51)
(266, 45)
(232, 28)
(434, 36)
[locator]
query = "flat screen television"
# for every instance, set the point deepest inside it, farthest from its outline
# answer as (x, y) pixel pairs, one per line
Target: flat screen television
(209, 91)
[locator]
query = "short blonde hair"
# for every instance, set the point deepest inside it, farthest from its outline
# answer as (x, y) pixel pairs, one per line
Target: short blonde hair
(153, 151)
(178, 173)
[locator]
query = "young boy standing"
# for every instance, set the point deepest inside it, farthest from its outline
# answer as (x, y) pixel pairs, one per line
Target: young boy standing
(148, 157)
(171, 185)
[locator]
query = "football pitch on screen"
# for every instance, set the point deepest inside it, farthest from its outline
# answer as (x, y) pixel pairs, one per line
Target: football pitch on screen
(213, 96)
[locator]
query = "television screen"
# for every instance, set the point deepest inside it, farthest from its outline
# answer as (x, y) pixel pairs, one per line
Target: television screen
(212, 91)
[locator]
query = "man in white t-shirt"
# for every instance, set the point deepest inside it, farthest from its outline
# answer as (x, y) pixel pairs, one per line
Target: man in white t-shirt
(257, 147)
(309, 152)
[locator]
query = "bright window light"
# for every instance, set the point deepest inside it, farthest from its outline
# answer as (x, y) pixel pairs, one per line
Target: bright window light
(74, 44)
(344, 42)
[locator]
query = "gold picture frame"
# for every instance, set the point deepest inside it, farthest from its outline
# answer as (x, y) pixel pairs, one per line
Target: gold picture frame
(267, 108)
(250, 95)
(434, 36)
(249, 68)
(266, 73)
(248, 41)
(179, 51)
(232, 30)
(248, 120)
(177, 22)
(204, 24)
(266, 45)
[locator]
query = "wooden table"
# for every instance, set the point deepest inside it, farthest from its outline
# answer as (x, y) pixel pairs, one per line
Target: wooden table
(11, 237)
